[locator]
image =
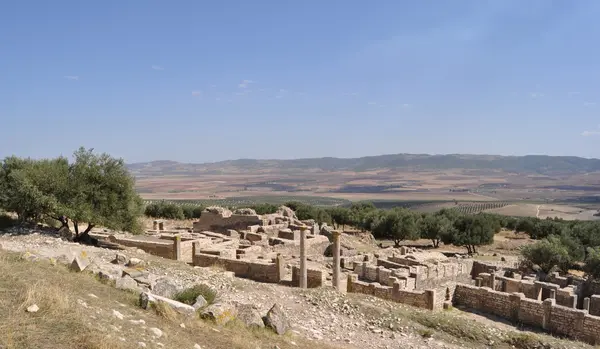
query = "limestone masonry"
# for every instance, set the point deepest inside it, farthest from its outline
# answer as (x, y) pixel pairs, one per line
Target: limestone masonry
(280, 249)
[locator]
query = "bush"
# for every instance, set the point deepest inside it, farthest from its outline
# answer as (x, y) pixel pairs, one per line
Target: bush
(189, 295)
(547, 254)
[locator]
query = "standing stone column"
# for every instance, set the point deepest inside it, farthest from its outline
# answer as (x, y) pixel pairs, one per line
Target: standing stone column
(177, 248)
(336, 259)
(303, 273)
(586, 304)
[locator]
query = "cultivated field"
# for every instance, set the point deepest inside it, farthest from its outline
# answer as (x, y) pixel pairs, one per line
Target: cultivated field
(575, 196)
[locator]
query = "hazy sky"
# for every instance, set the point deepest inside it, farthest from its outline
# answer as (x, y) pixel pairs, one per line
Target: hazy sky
(213, 80)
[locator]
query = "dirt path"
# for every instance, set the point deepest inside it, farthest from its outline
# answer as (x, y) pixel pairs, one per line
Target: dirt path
(537, 214)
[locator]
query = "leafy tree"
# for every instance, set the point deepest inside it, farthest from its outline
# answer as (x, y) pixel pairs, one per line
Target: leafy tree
(93, 190)
(470, 232)
(340, 216)
(547, 254)
(434, 227)
(396, 224)
(100, 192)
(592, 263)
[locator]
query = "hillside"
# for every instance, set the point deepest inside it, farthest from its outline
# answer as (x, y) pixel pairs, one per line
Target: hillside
(531, 164)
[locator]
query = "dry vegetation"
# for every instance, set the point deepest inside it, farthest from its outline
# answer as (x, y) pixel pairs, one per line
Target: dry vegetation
(76, 312)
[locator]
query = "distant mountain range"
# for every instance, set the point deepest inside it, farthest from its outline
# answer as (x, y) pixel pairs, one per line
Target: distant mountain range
(534, 164)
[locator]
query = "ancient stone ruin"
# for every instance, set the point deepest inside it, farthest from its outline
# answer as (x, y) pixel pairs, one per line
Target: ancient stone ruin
(280, 249)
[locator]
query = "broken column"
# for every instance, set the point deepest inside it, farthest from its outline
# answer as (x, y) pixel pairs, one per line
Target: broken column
(553, 294)
(493, 280)
(177, 248)
(336, 259)
(154, 225)
(303, 274)
(586, 304)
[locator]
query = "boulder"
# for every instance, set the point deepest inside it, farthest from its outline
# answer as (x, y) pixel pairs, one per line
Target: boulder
(220, 313)
(200, 302)
(165, 288)
(147, 299)
(287, 212)
(276, 320)
(245, 211)
(79, 263)
(127, 283)
(120, 259)
(135, 262)
(249, 315)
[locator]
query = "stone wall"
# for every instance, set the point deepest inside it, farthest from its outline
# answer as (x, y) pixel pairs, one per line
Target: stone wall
(212, 221)
(532, 289)
(556, 319)
(595, 305)
(165, 249)
(422, 299)
(314, 277)
(254, 270)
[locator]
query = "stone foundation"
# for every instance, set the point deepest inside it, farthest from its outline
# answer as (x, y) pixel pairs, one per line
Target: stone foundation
(253, 270)
(556, 319)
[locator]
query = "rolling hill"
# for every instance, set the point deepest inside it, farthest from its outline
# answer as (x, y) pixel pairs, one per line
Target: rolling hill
(529, 164)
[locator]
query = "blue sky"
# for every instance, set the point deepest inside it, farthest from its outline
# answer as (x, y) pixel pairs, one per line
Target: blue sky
(204, 81)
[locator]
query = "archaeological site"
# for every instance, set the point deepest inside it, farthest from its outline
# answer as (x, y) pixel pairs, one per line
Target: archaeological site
(283, 253)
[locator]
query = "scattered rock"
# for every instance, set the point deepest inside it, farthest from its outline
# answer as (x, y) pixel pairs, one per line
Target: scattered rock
(200, 302)
(120, 259)
(146, 299)
(276, 320)
(33, 308)
(249, 315)
(165, 287)
(156, 332)
(127, 283)
(117, 314)
(135, 262)
(79, 263)
(220, 313)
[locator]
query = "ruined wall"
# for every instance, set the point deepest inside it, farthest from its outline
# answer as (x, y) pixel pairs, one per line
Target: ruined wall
(314, 277)
(574, 323)
(421, 299)
(532, 289)
(211, 221)
(595, 305)
(157, 248)
(253, 270)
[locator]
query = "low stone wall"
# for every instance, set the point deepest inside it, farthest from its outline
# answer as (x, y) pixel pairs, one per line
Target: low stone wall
(556, 319)
(532, 289)
(422, 299)
(210, 221)
(314, 277)
(164, 249)
(253, 270)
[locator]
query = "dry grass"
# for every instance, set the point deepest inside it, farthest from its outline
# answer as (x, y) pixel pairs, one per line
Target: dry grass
(76, 312)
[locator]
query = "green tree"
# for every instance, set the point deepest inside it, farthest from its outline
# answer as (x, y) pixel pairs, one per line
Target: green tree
(592, 263)
(101, 192)
(547, 254)
(471, 231)
(397, 224)
(434, 227)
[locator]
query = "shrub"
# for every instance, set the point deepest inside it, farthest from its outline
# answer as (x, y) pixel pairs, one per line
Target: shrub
(547, 254)
(189, 295)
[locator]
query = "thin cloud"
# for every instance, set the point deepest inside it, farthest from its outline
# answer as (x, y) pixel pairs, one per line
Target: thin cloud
(245, 83)
(281, 93)
(589, 104)
(157, 67)
(196, 93)
(590, 133)
(536, 95)
(574, 93)
(405, 105)
(372, 103)
(72, 77)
